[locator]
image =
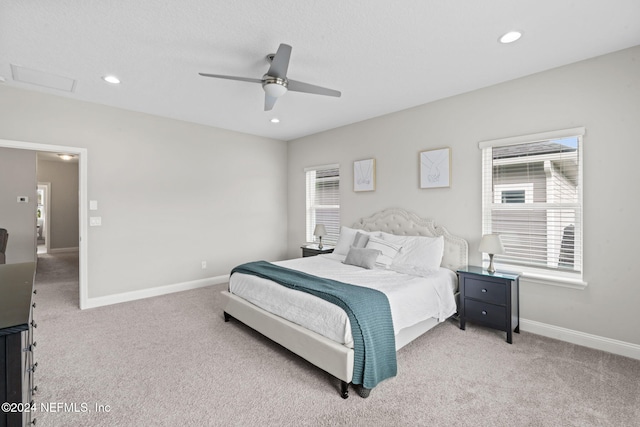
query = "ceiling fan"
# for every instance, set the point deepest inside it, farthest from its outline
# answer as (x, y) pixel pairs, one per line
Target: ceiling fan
(275, 83)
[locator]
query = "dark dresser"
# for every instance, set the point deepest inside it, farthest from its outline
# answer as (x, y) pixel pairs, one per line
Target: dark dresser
(17, 364)
(490, 299)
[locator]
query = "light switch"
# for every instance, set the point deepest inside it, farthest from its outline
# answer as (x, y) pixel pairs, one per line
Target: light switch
(93, 205)
(95, 221)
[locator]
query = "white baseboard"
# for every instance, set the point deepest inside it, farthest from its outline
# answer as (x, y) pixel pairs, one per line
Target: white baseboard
(152, 292)
(62, 250)
(587, 340)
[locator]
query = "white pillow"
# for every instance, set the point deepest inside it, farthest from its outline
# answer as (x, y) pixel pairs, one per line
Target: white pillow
(394, 238)
(345, 240)
(388, 250)
(420, 253)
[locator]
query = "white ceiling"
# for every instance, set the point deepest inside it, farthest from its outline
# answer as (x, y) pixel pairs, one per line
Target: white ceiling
(384, 56)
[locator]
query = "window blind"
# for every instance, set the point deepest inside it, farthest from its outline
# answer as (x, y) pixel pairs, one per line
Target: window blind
(323, 202)
(532, 198)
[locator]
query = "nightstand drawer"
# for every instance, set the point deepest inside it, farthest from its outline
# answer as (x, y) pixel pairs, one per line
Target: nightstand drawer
(495, 293)
(484, 312)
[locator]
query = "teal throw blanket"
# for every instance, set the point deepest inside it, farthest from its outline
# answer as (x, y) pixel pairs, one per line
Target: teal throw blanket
(374, 342)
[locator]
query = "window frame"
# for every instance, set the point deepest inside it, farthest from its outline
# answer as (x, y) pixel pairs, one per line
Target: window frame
(547, 276)
(333, 230)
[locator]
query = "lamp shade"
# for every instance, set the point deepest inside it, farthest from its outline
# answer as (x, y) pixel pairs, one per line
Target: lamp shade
(491, 244)
(319, 231)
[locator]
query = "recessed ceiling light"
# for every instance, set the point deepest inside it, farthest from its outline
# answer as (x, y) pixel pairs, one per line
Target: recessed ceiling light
(510, 37)
(65, 156)
(111, 79)
(275, 120)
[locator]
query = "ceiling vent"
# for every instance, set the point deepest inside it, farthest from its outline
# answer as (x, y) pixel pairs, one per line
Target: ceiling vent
(40, 78)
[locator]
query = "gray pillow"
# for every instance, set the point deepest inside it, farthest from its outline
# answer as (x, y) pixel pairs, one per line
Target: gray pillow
(360, 241)
(362, 257)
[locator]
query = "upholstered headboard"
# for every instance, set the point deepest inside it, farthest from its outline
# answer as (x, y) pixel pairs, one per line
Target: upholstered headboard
(404, 223)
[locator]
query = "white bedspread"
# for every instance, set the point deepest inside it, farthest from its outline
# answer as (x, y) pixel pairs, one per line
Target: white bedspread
(412, 298)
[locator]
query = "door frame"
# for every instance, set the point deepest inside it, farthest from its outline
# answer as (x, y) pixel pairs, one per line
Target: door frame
(47, 219)
(82, 154)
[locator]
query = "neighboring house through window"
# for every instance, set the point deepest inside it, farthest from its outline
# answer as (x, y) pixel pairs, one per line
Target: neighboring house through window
(532, 198)
(323, 202)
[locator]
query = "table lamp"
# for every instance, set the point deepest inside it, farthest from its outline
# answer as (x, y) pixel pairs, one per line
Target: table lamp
(492, 245)
(319, 232)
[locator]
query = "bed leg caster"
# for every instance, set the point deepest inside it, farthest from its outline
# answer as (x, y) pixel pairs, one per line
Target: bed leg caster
(344, 389)
(227, 317)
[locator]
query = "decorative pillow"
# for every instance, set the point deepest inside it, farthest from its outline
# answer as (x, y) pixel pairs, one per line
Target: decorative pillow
(388, 250)
(420, 253)
(347, 237)
(360, 240)
(362, 257)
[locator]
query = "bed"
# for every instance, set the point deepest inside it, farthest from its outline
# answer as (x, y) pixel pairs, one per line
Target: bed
(251, 300)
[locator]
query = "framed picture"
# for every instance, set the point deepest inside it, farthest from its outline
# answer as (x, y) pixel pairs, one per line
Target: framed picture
(435, 168)
(364, 175)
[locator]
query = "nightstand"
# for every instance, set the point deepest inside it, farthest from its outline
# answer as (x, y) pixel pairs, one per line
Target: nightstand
(312, 250)
(490, 299)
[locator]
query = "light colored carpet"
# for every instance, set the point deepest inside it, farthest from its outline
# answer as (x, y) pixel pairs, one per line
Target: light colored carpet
(173, 361)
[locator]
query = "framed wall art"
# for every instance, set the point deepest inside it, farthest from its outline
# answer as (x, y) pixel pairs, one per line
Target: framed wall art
(364, 175)
(435, 168)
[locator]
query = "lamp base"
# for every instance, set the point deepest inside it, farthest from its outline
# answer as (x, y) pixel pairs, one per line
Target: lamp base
(491, 269)
(320, 243)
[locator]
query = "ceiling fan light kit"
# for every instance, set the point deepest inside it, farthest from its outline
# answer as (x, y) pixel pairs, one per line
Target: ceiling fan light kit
(274, 87)
(275, 83)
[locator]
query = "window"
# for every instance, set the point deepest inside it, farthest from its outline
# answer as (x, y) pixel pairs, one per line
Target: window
(323, 202)
(532, 198)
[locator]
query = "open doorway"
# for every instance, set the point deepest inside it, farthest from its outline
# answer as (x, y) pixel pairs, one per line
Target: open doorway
(43, 238)
(57, 215)
(80, 224)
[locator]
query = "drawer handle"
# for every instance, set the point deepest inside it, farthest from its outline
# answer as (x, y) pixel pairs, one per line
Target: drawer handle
(484, 291)
(33, 305)
(34, 390)
(34, 324)
(484, 313)
(33, 367)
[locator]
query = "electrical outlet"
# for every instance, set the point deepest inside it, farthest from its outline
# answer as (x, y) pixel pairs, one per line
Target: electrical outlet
(204, 264)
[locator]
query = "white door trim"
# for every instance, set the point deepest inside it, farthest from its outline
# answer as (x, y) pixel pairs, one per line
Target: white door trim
(47, 215)
(82, 201)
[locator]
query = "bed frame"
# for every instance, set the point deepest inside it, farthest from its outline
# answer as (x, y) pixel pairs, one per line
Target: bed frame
(328, 355)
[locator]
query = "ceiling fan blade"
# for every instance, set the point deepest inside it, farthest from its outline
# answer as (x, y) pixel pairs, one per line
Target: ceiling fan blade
(280, 63)
(269, 102)
(297, 86)
(242, 79)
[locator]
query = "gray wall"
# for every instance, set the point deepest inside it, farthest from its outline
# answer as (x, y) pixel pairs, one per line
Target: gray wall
(602, 94)
(18, 178)
(170, 193)
(64, 230)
